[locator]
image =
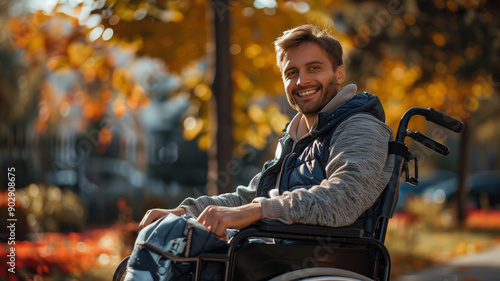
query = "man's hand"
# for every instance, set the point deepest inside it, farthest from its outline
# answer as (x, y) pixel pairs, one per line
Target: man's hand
(155, 214)
(217, 218)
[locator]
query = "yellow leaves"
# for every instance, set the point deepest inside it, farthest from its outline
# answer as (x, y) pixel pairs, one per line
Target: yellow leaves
(56, 62)
(482, 88)
(235, 49)
(203, 92)
(36, 43)
(43, 37)
(253, 50)
(179, 36)
(26, 32)
(204, 142)
(47, 107)
(242, 82)
(441, 68)
(398, 73)
(264, 121)
(196, 127)
(463, 248)
(78, 53)
(127, 15)
(119, 108)
(397, 88)
(121, 81)
(252, 125)
(92, 109)
(277, 120)
(409, 19)
(271, 116)
(473, 51)
(172, 16)
(136, 97)
(256, 114)
(472, 103)
(259, 62)
(438, 39)
(396, 79)
(192, 76)
(18, 30)
(253, 138)
(192, 127)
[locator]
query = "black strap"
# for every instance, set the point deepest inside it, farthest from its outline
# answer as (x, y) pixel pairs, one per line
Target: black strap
(399, 148)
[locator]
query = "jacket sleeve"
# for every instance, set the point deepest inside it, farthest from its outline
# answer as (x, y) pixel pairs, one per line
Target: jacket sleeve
(242, 195)
(358, 169)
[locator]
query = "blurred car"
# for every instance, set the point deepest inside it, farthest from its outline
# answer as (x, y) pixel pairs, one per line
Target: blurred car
(407, 190)
(483, 190)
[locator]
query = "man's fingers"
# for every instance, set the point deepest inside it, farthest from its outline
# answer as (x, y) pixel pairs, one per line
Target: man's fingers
(152, 216)
(208, 218)
(220, 231)
(155, 214)
(218, 218)
(142, 224)
(213, 217)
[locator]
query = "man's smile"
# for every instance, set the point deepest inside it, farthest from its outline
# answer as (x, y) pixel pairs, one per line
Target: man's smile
(307, 93)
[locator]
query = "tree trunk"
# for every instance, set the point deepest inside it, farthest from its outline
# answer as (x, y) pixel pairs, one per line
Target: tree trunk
(220, 154)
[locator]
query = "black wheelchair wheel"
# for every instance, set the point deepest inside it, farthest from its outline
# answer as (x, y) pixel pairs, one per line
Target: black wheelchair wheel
(121, 269)
(321, 274)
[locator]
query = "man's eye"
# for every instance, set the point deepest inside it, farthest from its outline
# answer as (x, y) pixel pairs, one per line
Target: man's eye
(290, 74)
(313, 67)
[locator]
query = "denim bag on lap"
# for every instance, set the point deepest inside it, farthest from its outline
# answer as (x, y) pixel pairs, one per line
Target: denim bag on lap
(178, 236)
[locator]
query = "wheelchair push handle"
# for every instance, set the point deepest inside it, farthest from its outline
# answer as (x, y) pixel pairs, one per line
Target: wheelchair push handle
(444, 120)
(429, 143)
(431, 115)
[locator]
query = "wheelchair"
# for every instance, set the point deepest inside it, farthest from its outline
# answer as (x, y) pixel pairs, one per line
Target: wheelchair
(355, 253)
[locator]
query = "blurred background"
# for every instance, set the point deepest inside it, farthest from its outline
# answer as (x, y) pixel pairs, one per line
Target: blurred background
(111, 107)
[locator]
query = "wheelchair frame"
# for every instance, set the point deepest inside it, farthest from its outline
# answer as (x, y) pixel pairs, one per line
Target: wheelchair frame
(339, 239)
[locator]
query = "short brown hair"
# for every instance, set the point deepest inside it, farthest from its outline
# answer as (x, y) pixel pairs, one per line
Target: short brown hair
(308, 33)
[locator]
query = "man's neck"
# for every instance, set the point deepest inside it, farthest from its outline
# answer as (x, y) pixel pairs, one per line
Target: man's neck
(310, 120)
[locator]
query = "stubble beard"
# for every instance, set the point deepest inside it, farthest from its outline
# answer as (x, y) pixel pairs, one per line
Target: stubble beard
(329, 92)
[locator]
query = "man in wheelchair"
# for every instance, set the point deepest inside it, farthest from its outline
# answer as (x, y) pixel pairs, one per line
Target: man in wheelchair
(332, 163)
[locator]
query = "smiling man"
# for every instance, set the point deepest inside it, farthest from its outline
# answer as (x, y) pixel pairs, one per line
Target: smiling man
(332, 163)
(330, 166)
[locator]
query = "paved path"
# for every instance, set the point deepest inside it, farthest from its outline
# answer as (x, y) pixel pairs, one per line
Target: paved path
(481, 266)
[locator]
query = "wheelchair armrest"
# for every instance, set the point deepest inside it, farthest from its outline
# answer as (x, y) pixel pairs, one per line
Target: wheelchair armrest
(308, 229)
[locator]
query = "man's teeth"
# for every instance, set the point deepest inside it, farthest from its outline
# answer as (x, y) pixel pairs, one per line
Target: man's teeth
(301, 94)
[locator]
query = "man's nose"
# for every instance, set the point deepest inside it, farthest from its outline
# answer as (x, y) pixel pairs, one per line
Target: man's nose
(303, 80)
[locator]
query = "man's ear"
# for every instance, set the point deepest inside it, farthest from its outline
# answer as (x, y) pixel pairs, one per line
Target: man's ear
(340, 71)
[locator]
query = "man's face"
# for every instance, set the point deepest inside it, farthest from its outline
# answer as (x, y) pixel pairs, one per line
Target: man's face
(309, 78)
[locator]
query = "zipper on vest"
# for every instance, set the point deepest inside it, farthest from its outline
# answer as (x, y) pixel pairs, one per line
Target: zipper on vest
(280, 161)
(278, 181)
